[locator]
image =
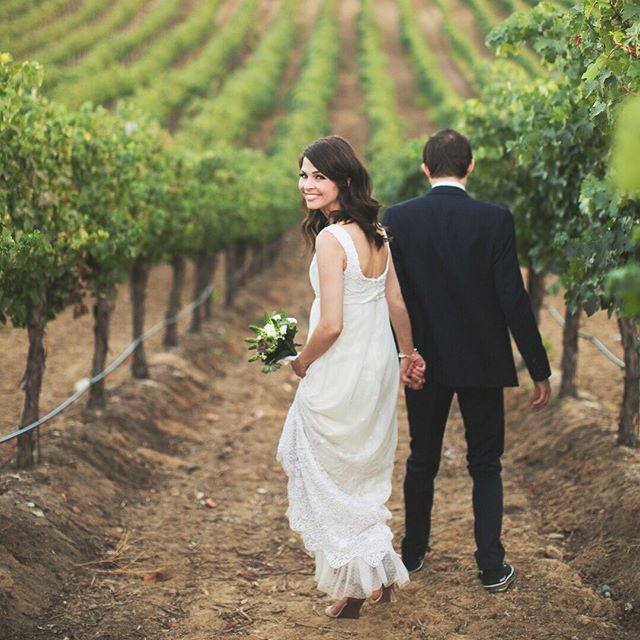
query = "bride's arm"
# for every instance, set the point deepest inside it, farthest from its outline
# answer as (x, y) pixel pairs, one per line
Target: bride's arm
(411, 368)
(330, 259)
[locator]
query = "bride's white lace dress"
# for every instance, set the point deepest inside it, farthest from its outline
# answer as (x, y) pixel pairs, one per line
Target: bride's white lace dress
(339, 439)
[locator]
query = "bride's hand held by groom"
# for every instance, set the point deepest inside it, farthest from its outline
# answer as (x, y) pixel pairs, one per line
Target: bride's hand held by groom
(412, 371)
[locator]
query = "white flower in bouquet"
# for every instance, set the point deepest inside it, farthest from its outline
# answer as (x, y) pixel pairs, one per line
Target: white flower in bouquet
(274, 340)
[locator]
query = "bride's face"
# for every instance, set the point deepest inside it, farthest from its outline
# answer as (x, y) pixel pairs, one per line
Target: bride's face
(318, 191)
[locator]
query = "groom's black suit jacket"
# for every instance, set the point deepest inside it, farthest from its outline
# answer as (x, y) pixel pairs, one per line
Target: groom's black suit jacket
(458, 269)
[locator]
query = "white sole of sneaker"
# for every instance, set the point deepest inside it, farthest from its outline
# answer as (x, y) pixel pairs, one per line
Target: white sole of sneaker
(501, 586)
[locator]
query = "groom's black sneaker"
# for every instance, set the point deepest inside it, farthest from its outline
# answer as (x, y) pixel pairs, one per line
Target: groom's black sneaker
(496, 580)
(414, 563)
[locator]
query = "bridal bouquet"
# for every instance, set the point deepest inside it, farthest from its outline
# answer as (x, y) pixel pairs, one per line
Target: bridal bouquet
(274, 341)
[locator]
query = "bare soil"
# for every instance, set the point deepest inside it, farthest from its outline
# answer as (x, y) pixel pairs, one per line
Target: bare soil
(165, 516)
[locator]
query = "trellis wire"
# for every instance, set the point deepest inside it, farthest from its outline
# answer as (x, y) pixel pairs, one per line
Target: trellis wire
(112, 367)
(188, 309)
(555, 314)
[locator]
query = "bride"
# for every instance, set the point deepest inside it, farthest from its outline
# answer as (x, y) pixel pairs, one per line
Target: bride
(338, 442)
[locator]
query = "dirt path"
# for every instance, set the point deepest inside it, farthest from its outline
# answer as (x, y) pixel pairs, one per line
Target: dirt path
(236, 570)
(401, 70)
(347, 113)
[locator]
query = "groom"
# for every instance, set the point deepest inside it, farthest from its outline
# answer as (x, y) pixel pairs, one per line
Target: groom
(458, 268)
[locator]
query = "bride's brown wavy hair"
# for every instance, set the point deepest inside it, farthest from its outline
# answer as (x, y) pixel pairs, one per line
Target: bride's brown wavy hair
(334, 157)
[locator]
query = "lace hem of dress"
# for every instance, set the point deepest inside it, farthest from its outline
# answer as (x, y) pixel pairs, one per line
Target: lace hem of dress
(357, 578)
(349, 538)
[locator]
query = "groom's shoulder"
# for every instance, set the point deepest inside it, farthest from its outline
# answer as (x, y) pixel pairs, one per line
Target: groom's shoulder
(404, 207)
(491, 209)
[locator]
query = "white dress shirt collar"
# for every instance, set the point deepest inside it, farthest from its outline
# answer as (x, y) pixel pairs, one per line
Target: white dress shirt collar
(448, 183)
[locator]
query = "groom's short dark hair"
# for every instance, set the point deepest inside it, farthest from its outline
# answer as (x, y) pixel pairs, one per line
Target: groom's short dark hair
(447, 153)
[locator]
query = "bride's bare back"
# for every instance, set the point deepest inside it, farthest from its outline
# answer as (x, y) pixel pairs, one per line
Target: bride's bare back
(373, 261)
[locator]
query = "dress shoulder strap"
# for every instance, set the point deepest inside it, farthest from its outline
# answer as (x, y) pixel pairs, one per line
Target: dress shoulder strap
(346, 241)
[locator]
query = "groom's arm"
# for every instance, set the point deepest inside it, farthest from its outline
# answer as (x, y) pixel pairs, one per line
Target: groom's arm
(515, 303)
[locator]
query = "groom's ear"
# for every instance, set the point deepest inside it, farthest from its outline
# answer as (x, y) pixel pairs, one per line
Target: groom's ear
(471, 167)
(426, 171)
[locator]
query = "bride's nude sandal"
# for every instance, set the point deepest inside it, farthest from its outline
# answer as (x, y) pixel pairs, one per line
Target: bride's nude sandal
(385, 595)
(350, 609)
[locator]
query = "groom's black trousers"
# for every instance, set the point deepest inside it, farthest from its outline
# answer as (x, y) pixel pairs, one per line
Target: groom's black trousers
(483, 415)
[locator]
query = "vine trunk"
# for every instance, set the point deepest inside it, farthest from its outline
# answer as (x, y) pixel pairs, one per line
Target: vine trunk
(36, 322)
(138, 292)
(570, 353)
(535, 287)
(179, 270)
(102, 309)
(211, 270)
(628, 427)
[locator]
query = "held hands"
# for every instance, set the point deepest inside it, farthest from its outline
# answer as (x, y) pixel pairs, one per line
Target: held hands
(412, 370)
(541, 394)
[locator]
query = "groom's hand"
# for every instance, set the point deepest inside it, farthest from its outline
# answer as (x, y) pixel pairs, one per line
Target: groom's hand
(413, 373)
(541, 394)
